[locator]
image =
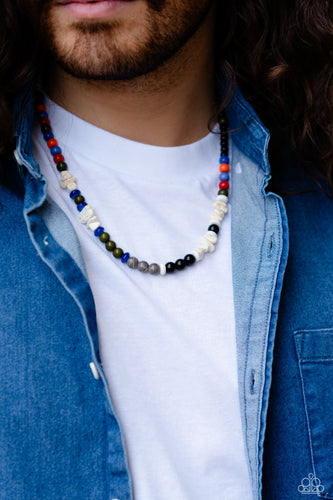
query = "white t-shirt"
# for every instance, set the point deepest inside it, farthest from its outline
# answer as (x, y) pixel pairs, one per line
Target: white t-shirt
(167, 342)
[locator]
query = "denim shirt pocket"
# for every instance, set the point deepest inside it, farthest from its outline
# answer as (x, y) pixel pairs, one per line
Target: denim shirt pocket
(315, 359)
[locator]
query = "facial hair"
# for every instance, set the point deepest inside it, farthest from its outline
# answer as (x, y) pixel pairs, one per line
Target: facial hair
(98, 52)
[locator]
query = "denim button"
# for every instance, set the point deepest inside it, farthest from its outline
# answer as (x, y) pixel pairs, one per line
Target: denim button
(94, 370)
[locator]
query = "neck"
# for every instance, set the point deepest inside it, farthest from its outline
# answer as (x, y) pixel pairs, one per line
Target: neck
(171, 106)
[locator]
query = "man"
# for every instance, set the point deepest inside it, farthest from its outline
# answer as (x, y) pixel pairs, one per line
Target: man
(152, 385)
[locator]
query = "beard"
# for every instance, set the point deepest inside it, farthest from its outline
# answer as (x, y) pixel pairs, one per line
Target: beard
(123, 48)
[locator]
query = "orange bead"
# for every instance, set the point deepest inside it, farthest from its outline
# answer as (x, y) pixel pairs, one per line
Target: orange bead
(52, 142)
(224, 167)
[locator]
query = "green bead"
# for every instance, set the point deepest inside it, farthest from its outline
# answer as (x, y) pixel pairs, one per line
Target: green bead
(223, 191)
(79, 199)
(61, 166)
(104, 237)
(118, 253)
(110, 245)
(45, 128)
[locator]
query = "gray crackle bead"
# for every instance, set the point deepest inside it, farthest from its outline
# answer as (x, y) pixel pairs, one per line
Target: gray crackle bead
(154, 269)
(133, 262)
(143, 266)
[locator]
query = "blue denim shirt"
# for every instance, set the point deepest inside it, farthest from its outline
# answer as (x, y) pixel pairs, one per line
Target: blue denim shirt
(60, 437)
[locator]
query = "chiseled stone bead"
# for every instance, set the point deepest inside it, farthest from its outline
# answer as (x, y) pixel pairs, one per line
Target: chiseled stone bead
(154, 269)
(143, 266)
(133, 262)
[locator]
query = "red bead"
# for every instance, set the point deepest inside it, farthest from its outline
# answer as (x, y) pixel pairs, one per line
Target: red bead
(224, 185)
(58, 157)
(41, 107)
(224, 167)
(44, 121)
(52, 142)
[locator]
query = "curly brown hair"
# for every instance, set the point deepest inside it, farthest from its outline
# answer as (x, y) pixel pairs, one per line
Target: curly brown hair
(280, 53)
(19, 52)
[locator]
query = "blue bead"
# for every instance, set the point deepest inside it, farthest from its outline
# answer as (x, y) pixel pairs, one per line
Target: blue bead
(99, 231)
(43, 114)
(74, 193)
(224, 176)
(224, 159)
(125, 257)
(81, 206)
(55, 150)
(48, 135)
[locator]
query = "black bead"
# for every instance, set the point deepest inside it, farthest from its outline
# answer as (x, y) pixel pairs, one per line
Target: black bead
(223, 120)
(170, 267)
(61, 166)
(45, 128)
(180, 264)
(215, 228)
(79, 199)
(189, 259)
(39, 98)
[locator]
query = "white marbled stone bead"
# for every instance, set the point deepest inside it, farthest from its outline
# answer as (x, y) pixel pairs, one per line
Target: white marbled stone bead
(86, 214)
(221, 206)
(196, 255)
(199, 253)
(93, 223)
(216, 216)
(64, 175)
(219, 212)
(211, 236)
(162, 269)
(72, 186)
(206, 245)
(66, 179)
(222, 197)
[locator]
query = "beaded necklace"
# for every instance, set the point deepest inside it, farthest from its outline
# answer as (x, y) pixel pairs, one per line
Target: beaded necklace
(88, 217)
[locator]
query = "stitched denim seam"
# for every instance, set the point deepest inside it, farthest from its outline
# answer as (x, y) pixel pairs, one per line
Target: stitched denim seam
(301, 362)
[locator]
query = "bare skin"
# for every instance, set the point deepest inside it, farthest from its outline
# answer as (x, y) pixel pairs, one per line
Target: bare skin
(170, 105)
